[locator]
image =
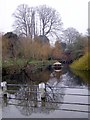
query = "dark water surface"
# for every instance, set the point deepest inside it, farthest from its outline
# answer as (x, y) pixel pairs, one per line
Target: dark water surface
(66, 96)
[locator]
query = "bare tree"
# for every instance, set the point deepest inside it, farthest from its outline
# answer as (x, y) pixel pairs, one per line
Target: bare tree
(28, 21)
(50, 22)
(24, 20)
(70, 35)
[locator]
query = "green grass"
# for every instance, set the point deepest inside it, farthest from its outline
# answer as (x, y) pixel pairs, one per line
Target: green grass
(15, 65)
(40, 64)
(12, 65)
(22, 61)
(35, 62)
(13, 62)
(82, 64)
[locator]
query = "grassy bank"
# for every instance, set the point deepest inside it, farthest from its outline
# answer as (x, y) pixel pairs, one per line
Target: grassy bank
(42, 63)
(13, 62)
(10, 66)
(22, 62)
(82, 64)
(16, 65)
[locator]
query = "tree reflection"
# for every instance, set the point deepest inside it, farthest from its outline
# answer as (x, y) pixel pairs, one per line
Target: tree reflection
(31, 103)
(84, 75)
(71, 80)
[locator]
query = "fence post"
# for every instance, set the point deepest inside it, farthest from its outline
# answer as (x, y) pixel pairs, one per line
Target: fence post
(4, 88)
(42, 90)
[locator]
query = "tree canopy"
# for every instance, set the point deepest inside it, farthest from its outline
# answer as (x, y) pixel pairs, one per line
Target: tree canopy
(33, 21)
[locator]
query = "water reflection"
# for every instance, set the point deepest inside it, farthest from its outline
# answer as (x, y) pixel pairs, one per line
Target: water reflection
(84, 75)
(31, 103)
(66, 78)
(27, 99)
(26, 77)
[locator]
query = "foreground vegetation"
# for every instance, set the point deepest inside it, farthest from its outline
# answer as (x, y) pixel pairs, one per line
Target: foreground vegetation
(82, 64)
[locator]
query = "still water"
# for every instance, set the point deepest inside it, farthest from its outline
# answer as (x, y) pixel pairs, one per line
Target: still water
(66, 95)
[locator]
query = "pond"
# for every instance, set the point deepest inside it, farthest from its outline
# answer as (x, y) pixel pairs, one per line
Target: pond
(66, 95)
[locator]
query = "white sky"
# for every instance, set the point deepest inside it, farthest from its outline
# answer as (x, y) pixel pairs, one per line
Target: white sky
(74, 13)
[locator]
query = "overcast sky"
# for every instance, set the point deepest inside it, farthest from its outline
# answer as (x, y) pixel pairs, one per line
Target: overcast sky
(74, 13)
